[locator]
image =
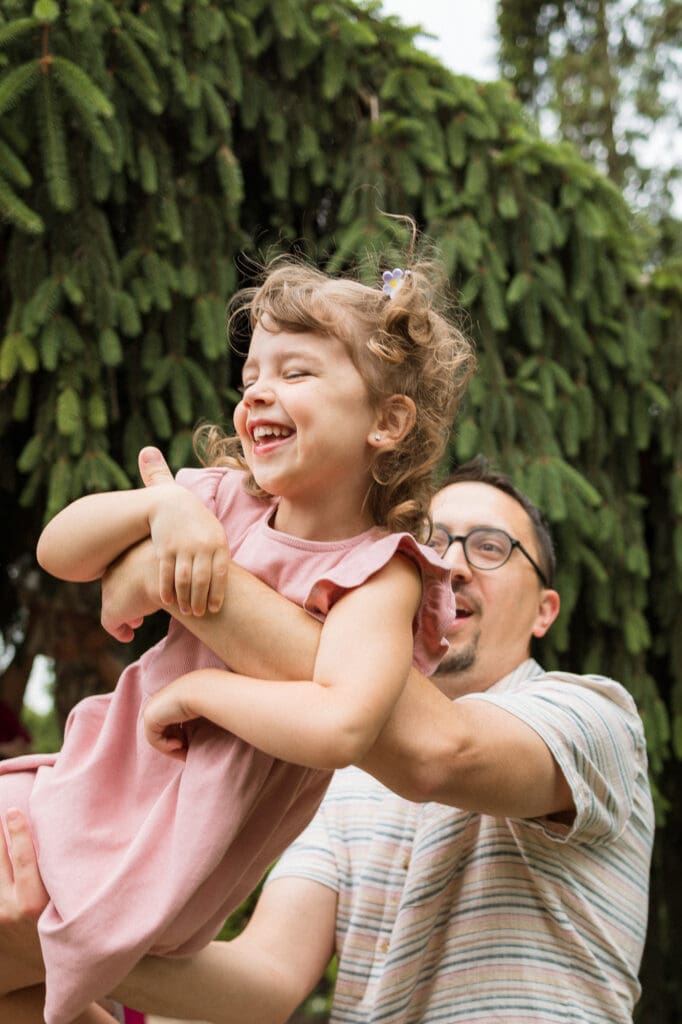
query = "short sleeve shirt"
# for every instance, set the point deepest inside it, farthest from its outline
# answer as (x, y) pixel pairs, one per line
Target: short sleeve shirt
(450, 916)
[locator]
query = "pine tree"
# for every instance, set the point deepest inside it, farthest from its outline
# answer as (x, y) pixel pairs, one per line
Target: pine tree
(151, 154)
(609, 72)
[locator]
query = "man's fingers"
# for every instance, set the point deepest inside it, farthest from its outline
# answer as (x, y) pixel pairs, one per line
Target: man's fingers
(6, 873)
(31, 893)
(153, 467)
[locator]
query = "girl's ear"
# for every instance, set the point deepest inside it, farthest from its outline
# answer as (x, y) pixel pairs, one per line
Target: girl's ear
(395, 419)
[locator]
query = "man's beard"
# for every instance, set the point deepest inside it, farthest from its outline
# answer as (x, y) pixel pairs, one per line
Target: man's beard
(459, 660)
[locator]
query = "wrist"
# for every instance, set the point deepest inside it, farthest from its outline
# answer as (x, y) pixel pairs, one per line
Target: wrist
(156, 498)
(182, 691)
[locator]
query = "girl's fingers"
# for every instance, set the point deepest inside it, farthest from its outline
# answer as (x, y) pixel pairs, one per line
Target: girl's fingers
(201, 581)
(183, 583)
(153, 467)
(170, 742)
(167, 580)
(216, 591)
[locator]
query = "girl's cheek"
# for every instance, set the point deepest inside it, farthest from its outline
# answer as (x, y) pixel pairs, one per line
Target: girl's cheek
(239, 420)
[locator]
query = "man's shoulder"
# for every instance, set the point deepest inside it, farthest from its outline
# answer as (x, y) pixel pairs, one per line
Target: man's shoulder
(534, 693)
(530, 675)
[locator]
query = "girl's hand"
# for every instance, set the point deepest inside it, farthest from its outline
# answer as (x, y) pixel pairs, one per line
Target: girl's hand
(164, 716)
(188, 540)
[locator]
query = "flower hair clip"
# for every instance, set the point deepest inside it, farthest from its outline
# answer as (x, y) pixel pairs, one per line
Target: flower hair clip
(393, 281)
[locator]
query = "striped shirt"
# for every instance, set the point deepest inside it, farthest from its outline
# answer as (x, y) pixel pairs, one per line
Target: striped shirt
(450, 916)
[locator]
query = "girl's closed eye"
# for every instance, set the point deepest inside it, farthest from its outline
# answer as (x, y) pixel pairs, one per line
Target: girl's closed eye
(296, 374)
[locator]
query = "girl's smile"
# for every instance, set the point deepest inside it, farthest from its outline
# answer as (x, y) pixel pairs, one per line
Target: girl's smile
(268, 436)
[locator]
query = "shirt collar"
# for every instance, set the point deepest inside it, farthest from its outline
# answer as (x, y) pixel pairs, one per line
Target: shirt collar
(528, 669)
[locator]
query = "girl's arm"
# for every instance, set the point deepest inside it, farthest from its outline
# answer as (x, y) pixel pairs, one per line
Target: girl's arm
(190, 544)
(362, 663)
(85, 537)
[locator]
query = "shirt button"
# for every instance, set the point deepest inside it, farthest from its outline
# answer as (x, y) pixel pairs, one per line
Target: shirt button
(406, 862)
(384, 945)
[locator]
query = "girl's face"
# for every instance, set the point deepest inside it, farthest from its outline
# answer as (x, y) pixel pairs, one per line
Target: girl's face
(306, 426)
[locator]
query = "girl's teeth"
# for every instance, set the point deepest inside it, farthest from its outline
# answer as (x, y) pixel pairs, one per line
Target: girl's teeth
(261, 432)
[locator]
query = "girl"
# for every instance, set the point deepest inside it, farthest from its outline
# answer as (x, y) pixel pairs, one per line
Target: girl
(348, 397)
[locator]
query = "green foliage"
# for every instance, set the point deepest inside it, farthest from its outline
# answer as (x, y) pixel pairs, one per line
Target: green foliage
(606, 72)
(149, 169)
(144, 148)
(46, 736)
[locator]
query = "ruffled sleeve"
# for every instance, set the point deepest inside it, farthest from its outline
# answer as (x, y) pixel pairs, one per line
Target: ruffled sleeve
(206, 483)
(222, 491)
(436, 611)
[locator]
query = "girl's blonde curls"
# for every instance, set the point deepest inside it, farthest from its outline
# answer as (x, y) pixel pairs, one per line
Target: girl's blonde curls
(400, 345)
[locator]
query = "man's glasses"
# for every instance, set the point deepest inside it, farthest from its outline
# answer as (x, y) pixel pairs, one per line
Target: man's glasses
(484, 548)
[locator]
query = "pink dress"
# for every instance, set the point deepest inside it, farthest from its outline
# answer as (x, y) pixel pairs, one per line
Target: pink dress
(144, 854)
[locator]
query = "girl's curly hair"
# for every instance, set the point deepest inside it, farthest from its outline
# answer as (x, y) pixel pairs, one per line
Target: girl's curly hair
(400, 345)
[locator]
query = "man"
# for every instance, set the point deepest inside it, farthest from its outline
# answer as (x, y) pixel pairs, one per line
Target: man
(510, 885)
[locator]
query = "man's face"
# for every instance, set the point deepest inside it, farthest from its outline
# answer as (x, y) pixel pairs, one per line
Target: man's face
(498, 610)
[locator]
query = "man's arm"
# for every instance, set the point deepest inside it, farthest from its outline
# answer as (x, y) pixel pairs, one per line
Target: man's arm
(467, 754)
(259, 977)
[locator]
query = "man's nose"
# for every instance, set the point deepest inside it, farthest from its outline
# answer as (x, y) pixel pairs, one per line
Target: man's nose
(456, 560)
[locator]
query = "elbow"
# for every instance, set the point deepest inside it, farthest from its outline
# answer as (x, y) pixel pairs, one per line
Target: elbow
(426, 783)
(43, 555)
(347, 743)
(437, 772)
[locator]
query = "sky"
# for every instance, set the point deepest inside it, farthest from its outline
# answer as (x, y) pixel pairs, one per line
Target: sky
(465, 31)
(465, 42)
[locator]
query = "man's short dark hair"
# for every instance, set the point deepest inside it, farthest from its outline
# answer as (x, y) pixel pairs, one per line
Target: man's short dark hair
(478, 470)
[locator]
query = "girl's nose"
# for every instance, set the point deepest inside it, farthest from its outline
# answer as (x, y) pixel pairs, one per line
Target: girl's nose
(259, 393)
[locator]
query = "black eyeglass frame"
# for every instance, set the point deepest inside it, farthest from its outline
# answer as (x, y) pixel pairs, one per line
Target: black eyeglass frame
(463, 538)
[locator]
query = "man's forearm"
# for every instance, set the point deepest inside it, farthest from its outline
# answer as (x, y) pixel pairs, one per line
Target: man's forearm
(257, 632)
(218, 985)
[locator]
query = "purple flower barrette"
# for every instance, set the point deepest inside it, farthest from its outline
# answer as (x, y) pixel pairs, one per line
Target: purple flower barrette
(393, 281)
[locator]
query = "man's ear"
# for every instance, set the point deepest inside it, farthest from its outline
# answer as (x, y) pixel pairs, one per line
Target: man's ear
(395, 419)
(548, 609)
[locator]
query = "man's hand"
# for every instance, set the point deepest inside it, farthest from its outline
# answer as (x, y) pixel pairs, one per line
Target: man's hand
(22, 899)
